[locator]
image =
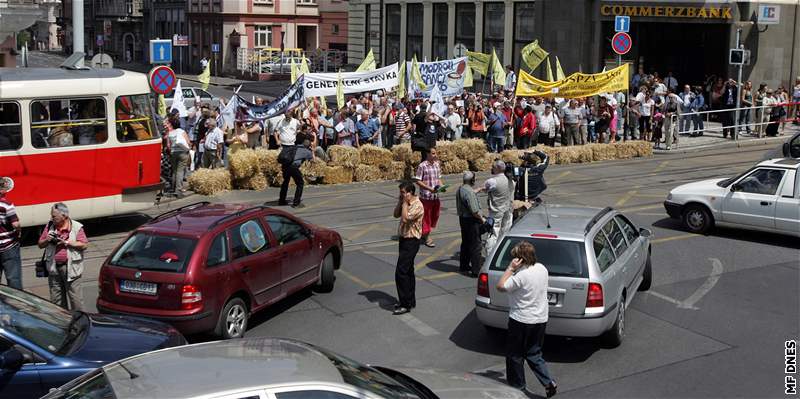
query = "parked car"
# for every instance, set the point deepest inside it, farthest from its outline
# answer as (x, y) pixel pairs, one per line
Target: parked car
(207, 267)
(274, 65)
(270, 368)
(765, 198)
(189, 96)
(55, 346)
(789, 149)
(596, 260)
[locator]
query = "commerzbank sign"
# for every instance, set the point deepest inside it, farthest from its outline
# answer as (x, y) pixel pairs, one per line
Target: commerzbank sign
(704, 12)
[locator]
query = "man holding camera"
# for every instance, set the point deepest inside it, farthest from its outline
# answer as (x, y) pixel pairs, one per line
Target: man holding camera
(501, 197)
(470, 221)
(64, 242)
(10, 229)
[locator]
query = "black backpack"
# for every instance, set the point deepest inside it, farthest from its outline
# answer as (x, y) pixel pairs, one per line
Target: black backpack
(286, 156)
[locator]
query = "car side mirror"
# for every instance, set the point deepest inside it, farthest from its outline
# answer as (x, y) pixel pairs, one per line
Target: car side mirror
(645, 232)
(736, 187)
(12, 360)
(309, 233)
(787, 149)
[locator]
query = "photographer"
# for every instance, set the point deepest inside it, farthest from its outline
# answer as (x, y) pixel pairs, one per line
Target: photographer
(64, 242)
(530, 188)
(470, 221)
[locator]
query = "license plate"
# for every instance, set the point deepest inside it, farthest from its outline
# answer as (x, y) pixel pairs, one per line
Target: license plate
(552, 298)
(137, 287)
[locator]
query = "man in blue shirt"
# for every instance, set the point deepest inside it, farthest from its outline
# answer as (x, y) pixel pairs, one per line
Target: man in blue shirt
(495, 123)
(367, 130)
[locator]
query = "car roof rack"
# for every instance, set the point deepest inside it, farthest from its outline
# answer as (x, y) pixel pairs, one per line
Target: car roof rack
(175, 211)
(596, 219)
(237, 214)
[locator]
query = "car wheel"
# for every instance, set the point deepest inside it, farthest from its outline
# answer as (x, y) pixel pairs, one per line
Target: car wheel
(326, 275)
(697, 219)
(233, 319)
(647, 276)
(615, 335)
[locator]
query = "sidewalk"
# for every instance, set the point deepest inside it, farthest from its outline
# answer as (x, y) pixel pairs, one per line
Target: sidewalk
(712, 138)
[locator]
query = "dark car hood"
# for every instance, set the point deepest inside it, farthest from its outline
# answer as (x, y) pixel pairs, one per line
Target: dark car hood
(111, 338)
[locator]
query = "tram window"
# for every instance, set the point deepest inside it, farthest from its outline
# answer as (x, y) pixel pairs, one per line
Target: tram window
(10, 128)
(68, 122)
(135, 118)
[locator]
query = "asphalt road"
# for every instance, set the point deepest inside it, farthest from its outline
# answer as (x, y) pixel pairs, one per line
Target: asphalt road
(713, 324)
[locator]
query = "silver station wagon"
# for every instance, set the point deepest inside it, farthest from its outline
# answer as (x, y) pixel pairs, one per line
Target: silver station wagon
(596, 259)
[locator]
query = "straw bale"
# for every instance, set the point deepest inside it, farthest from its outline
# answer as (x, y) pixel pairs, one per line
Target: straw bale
(367, 173)
(256, 182)
(341, 155)
(574, 154)
(624, 151)
(643, 148)
(402, 152)
(395, 171)
(313, 169)
(210, 181)
(375, 156)
(512, 156)
(409, 171)
(337, 175)
(469, 149)
(445, 150)
(484, 163)
(268, 161)
(603, 152)
(243, 163)
(274, 178)
(454, 166)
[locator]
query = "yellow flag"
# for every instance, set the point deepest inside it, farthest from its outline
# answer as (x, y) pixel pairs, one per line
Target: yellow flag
(323, 103)
(559, 71)
(304, 66)
(498, 72)
(533, 55)
(340, 92)
(479, 62)
(368, 64)
(416, 75)
(162, 106)
(293, 69)
(401, 81)
(549, 70)
(468, 77)
(205, 76)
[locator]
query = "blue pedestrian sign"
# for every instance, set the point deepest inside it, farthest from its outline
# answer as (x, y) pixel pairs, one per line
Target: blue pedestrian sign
(215, 47)
(161, 51)
(622, 23)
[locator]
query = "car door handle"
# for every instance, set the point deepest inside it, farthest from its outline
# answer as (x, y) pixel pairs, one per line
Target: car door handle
(765, 203)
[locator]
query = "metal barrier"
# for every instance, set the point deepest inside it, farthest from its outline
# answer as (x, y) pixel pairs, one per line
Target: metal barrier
(269, 60)
(756, 117)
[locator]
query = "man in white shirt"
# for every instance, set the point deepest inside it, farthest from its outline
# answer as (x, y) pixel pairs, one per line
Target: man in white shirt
(511, 79)
(286, 130)
(453, 123)
(214, 142)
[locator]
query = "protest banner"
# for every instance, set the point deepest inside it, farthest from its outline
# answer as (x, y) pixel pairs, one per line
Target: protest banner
(575, 85)
(324, 84)
(448, 75)
(292, 97)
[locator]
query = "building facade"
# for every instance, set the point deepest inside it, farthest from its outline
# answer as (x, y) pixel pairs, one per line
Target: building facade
(687, 37)
(164, 19)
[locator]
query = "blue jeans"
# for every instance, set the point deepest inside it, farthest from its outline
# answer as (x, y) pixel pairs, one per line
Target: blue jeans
(525, 344)
(697, 123)
(496, 144)
(11, 264)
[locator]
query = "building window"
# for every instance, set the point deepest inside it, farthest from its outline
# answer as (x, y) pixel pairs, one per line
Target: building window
(440, 13)
(465, 24)
(414, 27)
(367, 17)
(392, 36)
(494, 26)
(263, 36)
(262, 2)
(335, 29)
(523, 30)
(306, 2)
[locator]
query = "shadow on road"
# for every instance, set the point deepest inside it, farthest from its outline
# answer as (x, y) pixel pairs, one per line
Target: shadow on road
(384, 300)
(736, 234)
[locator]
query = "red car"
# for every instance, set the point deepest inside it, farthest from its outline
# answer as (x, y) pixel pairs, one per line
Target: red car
(207, 267)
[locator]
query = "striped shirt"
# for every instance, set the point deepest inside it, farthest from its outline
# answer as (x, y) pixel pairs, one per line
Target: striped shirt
(8, 215)
(401, 122)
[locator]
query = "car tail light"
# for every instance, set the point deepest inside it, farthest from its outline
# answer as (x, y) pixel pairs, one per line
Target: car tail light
(191, 297)
(483, 285)
(542, 235)
(594, 299)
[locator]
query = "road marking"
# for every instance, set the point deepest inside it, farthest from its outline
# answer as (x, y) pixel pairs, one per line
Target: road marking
(711, 281)
(363, 232)
(561, 176)
(643, 208)
(435, 255)
(353, 278)
(380, 252)
(674, 238)
(325, 202)
(625, 198)
(661, 166)
(418, 325)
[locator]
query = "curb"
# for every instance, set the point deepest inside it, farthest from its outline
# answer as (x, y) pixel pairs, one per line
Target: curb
(726, 144)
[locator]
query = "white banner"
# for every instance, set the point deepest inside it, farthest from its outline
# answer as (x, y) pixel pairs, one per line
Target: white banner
(448, 75)
(324, 84)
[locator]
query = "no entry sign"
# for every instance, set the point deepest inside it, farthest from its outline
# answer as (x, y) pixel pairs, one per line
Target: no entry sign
(162, 79)
(621, 43)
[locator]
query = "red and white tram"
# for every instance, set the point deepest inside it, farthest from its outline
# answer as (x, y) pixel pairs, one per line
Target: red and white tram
(83, 137)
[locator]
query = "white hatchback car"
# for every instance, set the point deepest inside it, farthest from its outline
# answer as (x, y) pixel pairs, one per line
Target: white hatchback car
(764, 198)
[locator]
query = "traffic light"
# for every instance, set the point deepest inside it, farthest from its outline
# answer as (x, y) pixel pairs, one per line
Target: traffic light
(737, 57)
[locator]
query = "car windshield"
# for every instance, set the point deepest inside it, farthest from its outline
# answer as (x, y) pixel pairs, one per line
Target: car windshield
(92, 385)
(35, 319)
(367, 378)
(145, 251)
(727, 182)
(561, 258)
